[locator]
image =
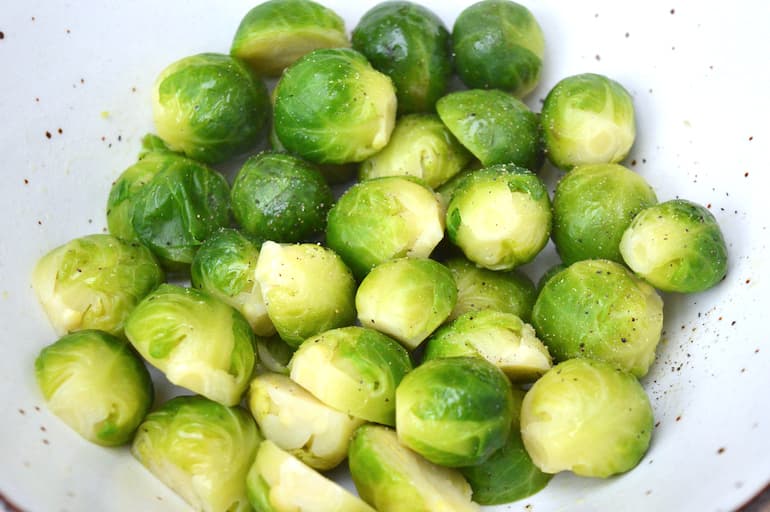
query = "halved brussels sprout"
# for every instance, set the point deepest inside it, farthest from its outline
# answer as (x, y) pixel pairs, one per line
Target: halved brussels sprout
(588, 417)
(498, 44)
(180, 207)
(500, 217)
(210, 107)
(411, 45)
(299, 423)
(587, 119)
(407, 299)
(274, 34)
(279, 197)
(278, 482)
(496, 127)
(454, 411)
(592, 207)
(598, 309)
(509, 473)
(224, 267)
(200, 449)
(479, 288)
(273, 354)
(307, 289)
(353, 369)
(676, 246)
(93, 282)
(383, 219)
(77, 376)
(500, 338)
(420, 146)
(197, 341)
(392, 478)
(332, 106)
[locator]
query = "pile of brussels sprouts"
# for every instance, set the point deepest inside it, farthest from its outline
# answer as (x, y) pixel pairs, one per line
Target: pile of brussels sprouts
(405, 341)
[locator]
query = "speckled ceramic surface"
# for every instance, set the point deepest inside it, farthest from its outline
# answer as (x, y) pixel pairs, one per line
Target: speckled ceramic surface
(75, 81)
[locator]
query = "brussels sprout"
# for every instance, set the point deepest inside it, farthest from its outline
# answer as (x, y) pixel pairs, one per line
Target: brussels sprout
(500, 217)
(77, 376)
(599, 310)
(676, 246)
(420, 146)
(547, 275)
(496, 127)
(500, 338)
(587, 119)
(274, 34)
(592, 207)
(587, 417)
(151, 144)
(406, 298)
(197, 341)
(93, 282)
(411, 45)
(392, 478)
(332, 107)
(455, 411)
(384, 219)
(299, 423)
(307, 289)
(480, 288)
(182, 205)
(353, 369)
(273, 354)
(126, 187)
(224, 267)
(498, 44)
(509, 473)
(210, 107)
(278, 482)
(279, 197)
(200, 449)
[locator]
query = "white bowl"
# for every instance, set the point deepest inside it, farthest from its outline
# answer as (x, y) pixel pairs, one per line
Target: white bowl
(75, 85)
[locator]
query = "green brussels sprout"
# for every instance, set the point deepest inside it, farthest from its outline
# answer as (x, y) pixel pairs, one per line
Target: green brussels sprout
(598, 309)
(588, 417)
(496, 127)
(592, 207)
(93, 282)
(587, 119)
(299, 423)
(500, 217)
(454, 411)
(279, 197)
(273, 354)
(180, 207)
(274, 34)
(77, 376)
(500, 338)
(307, 290)
(676, 246)
(210, 107)
(411, 45)
(509, 473)
(279, 482)
(383, 219)
(126, 187)
(479, 288)
(333, 107)
(420, 146)
(547, 275)
(353, 369)
(197, 341)
(392, 478)
(224, 268)
(201, 450)
(407, 299)
(498, 44)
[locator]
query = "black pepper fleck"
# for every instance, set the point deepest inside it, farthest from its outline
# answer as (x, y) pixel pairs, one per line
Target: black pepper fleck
(721, 450)
(2, 35)
(47, 135)
(673, 11)
(26, 181)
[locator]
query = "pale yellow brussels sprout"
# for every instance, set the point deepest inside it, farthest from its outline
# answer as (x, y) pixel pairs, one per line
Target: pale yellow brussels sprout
(299, 423)
(279, 482)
